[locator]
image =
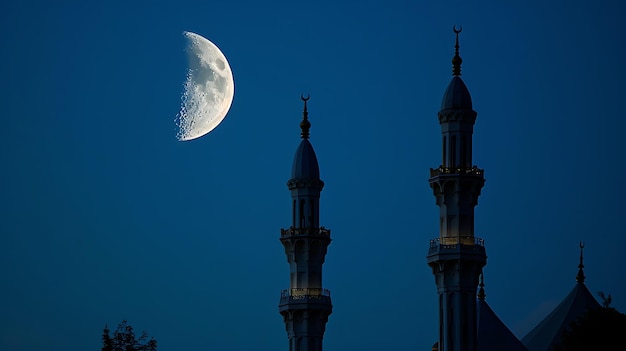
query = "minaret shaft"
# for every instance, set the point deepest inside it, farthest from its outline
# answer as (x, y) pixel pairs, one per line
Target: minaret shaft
(306, 305)
(305, 203)
(457, 144)
(457, 195)
(305, 254)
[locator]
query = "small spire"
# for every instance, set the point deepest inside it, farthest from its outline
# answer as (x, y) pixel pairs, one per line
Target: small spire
(580, 277)
(456, 60)
(305, 124)
(481, 291)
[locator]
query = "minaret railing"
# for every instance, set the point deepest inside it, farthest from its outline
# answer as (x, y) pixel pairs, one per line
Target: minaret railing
(295, 292)
(298, 295)
(456, 170)
(304, 231)
(452, 242)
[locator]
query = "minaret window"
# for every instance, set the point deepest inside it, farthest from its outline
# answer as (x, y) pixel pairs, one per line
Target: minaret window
(469, 153)
(302, 213)
(463, 151)
(443, 163)
(293, 214)
(453, 151)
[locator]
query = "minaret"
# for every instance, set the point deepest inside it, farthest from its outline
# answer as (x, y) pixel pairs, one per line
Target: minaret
(306, 305)
(457, 257)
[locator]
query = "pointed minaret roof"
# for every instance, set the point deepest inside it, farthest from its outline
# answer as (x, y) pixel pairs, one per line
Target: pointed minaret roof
(457, 95)
(305, 164)
(547, 334)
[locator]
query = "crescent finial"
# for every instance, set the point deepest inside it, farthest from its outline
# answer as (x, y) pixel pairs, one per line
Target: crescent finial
(456, 60)
(481, 291)
(305, 125)
(580, 277)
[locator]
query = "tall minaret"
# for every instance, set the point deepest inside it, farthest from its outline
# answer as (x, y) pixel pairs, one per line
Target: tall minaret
(306, 305)
(457, 257)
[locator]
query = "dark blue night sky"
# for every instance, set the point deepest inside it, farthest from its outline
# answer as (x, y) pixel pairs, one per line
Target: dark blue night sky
(105, 216)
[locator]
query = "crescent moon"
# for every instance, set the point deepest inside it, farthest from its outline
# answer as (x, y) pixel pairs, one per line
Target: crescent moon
(208, 91)
(457, 31)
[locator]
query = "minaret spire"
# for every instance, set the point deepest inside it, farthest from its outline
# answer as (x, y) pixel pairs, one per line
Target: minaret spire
(580, 277)
(481, 291)
(305, 125)
(456, 60)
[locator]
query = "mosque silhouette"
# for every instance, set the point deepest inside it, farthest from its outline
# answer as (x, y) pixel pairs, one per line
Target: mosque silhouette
(457, 257)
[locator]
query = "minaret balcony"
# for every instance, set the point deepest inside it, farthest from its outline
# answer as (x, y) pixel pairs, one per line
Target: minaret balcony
(445, 253)
(475, 171)
(451, 242)
(304, 295)
(305, 231)
(456, 243)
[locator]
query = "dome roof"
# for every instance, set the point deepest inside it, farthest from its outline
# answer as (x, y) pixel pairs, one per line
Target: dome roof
(456, 95)
(305, 162)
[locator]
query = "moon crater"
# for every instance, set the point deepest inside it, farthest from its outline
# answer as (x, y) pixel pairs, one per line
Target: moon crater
(208, 90)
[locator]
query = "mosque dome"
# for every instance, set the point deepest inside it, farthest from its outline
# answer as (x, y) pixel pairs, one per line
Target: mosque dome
(456, 95)
(305, 162)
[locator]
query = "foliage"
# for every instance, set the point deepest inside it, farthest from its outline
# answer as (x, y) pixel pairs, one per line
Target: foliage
(124, 339)
(599, 329)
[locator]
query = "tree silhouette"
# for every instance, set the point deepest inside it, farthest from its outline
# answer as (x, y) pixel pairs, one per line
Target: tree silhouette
(124, 339)
(598, 329)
